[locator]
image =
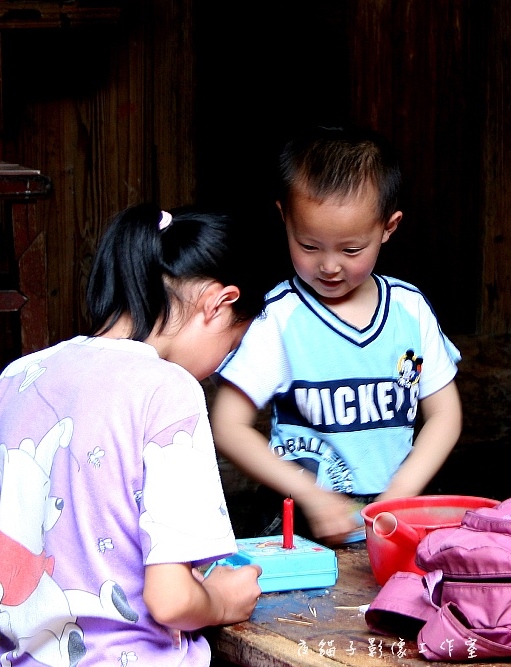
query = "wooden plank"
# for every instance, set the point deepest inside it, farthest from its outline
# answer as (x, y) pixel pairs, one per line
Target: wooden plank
(24, 225)
(252, 646)
(424, 94)
(495, 312)
(174, 156)
(34, 315)
(18, 182)
(14, 167)
(83, 17)
(30, 15)
(11, 301)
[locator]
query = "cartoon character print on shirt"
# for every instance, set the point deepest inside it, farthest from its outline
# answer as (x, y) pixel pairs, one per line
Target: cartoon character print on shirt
(30, 366)
(35, 613)
(409, 367)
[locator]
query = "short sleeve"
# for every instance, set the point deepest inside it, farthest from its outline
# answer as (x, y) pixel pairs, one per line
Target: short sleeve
(184, 515)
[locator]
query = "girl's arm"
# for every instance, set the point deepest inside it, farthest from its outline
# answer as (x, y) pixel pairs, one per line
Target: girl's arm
(179, 597)
(442, 414)
(232, 418)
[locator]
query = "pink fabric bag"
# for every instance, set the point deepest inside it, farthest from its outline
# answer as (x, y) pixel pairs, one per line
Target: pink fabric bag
(461, 608)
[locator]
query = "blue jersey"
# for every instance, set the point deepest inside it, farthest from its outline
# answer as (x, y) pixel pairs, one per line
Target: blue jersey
(344, 400)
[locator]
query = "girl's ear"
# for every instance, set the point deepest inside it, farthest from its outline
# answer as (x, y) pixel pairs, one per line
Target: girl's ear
(218, 298)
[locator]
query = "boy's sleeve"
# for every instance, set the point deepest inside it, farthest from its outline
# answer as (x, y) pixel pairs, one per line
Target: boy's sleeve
(441, 356)
(259, 367)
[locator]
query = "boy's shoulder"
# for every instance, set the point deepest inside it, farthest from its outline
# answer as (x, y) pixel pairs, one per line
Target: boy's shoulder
(400, 290)
(281, 297)
(280, 290)
(397, 282)
(406, 294)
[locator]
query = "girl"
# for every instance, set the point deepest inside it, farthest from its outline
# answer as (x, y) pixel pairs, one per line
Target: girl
(110, 490)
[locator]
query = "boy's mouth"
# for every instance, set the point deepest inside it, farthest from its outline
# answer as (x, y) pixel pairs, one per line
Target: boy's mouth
(329, 284)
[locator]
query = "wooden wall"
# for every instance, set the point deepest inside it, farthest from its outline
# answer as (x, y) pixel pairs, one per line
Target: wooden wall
(106, 112)
(495, 306)
(186, 100)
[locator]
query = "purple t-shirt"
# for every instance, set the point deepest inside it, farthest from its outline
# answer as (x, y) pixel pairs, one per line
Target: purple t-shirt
(107, 464)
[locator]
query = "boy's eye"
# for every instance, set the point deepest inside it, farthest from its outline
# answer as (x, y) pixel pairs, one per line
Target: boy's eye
(305, 246)
(351, 251)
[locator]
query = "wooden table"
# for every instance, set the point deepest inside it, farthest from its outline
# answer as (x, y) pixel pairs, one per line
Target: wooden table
(337, 635)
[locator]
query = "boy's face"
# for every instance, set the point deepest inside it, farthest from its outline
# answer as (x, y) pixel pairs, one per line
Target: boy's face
(334, 244)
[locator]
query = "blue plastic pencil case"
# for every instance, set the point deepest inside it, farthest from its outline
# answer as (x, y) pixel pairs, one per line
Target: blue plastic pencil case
(306, 565)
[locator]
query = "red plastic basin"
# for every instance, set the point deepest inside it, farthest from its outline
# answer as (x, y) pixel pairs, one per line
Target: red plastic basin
(402, 522)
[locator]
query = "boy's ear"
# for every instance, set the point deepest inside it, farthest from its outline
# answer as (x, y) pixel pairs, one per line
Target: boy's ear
(279, 206)
(391, 225)
(217, 298)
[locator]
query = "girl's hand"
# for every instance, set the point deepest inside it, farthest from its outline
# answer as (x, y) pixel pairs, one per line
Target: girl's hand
(236, 588)
(180, 597)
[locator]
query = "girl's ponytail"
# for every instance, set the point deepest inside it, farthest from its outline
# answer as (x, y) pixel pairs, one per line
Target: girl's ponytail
(126, 275)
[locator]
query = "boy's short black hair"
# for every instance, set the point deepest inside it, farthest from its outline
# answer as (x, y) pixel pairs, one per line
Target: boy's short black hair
(337, 162)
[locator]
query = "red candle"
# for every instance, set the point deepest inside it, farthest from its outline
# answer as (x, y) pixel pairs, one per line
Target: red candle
(287, 523)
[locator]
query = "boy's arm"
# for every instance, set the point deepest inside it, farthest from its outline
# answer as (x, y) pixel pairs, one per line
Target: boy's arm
(232, 419)
(442, 414)
(179, 597)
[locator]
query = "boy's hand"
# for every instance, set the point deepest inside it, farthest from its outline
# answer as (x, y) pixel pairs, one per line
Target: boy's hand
(331, 516)
(237, 588)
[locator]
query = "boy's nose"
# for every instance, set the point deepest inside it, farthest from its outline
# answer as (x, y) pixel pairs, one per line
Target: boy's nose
(330, 267)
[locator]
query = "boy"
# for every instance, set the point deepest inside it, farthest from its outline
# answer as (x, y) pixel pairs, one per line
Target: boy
(343, 355)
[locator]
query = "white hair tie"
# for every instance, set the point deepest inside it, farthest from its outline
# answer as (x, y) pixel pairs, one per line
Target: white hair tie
(165, 220)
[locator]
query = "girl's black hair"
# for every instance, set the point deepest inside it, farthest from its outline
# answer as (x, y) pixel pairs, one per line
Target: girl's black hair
(337, 162)
(134, 257)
